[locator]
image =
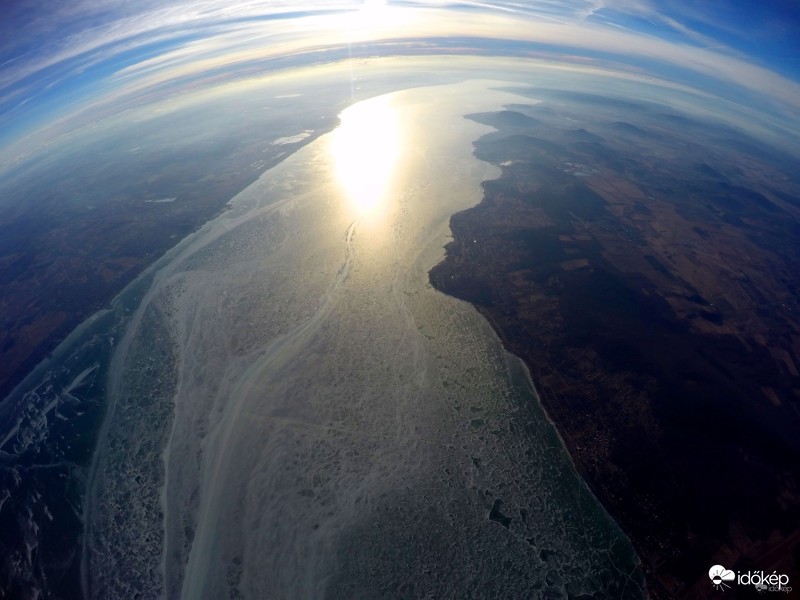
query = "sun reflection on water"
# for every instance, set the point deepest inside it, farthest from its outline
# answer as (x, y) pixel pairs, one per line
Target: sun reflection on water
(365, 150)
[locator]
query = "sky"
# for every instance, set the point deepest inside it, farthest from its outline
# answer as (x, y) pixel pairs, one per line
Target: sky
(64, 64)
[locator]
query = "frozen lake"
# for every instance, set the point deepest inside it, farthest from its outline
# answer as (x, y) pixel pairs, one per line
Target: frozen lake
(297, 413)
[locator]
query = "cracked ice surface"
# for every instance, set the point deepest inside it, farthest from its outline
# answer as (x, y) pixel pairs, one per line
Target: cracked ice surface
(319, 422)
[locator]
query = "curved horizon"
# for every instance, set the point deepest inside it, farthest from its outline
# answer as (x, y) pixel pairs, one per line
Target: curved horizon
(98, 61)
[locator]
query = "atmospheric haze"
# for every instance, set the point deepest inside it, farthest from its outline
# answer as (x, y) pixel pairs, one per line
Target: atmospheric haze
(227, 372)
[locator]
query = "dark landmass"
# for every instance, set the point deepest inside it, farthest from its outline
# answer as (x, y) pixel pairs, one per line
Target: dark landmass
(75, 232)
(646, 273)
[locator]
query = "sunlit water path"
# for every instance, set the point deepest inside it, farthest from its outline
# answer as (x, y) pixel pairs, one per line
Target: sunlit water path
(296, 413)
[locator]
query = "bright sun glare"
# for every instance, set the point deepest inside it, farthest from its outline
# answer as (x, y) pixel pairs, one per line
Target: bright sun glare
(365, 149)
(371, 14)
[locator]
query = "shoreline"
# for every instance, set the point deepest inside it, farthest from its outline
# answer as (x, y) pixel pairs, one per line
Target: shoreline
(569, 270)
(49, 386)
(110, 275)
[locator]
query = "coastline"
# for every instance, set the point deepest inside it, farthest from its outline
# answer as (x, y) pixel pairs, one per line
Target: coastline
(70, 381)
(95, 267)
(615, 361)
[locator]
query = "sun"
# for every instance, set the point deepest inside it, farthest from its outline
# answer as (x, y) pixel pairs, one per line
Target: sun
(370, 14)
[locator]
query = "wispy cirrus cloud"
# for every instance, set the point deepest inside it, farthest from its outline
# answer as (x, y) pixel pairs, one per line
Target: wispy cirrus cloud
(56, 61)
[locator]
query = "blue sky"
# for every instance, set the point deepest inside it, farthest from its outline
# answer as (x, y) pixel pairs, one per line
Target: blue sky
(60, 60)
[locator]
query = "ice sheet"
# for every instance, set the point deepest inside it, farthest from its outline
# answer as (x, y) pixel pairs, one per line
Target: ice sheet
(324, 423)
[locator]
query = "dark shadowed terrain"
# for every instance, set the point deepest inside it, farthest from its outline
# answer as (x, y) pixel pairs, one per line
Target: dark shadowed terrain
(72, 239)
(644, 265)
